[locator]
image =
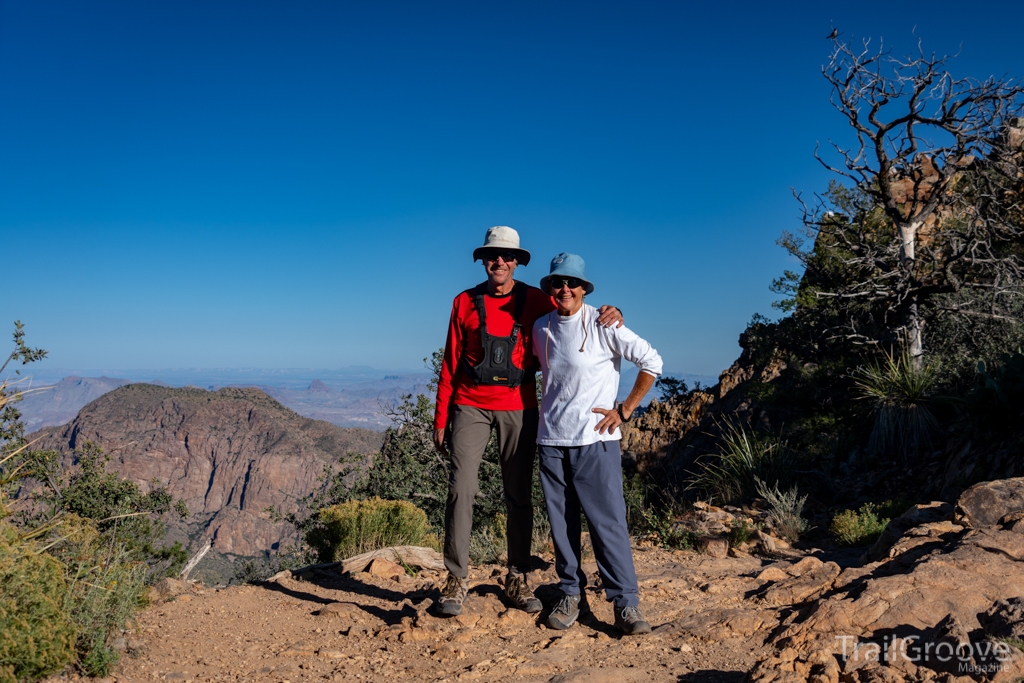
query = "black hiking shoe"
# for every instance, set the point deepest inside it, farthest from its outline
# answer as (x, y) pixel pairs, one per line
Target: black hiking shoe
(519, 593)
(630, 620)
(567, 611)
(452, 596)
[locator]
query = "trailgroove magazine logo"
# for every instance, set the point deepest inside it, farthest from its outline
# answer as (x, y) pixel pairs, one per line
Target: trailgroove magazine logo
(983, 657)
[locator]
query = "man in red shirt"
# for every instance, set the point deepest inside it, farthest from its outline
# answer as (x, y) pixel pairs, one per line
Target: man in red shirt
(487, 381)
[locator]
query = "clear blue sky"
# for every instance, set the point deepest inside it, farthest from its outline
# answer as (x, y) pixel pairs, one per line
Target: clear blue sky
(301, 184)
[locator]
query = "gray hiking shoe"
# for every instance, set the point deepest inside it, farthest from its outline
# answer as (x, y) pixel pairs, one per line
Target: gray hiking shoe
(452, 596)
(519, 593)
(566, 612)
(630, 620)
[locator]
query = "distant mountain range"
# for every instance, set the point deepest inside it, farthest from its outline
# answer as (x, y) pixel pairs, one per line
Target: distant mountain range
(353, 397)
(346, 399)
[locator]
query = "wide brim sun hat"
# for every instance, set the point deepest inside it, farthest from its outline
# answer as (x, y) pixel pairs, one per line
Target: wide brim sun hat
(568, 265)
(502, 238)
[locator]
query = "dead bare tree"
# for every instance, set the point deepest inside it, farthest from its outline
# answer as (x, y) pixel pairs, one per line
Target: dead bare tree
(928, 198)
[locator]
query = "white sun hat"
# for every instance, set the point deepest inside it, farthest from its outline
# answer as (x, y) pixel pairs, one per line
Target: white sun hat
(503, 238)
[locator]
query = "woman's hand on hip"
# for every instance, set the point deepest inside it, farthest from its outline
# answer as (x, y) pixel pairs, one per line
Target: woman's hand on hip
(610, 422)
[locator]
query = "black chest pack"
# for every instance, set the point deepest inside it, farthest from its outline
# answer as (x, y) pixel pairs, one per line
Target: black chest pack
(497, 368)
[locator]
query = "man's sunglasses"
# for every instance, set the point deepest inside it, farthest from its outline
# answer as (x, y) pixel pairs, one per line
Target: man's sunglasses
(506, 256)
(558, 282)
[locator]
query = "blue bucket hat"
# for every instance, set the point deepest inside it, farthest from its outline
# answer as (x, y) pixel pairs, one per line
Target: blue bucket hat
(568, 265)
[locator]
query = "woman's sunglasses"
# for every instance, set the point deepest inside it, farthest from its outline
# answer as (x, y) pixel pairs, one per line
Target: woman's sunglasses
(558, 282)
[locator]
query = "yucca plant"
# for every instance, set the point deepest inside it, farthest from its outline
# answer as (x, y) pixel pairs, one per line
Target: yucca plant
(732, 473)
(902, 393)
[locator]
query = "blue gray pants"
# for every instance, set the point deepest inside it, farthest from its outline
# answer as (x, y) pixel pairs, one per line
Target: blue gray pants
(589, 478)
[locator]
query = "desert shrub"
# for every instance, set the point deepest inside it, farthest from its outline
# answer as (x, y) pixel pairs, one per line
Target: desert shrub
(653, 516)
(489, 544)
(358, 526)
(106, 585)
(740, 532)
(785, 514)
(745, 457)
(901, 394)
(858, 528)
(37, 637)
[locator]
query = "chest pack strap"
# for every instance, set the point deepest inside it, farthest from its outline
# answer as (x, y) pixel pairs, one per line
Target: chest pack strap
(497, 367)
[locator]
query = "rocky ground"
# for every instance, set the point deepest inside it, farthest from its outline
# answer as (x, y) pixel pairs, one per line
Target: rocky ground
(377, 628)
(940, 598)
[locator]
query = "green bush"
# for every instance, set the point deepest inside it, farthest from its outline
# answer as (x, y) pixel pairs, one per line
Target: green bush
(859, 528)
(36, 636)
(358, 526)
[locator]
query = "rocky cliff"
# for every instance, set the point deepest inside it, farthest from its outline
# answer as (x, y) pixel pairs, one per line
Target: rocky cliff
(228, 454)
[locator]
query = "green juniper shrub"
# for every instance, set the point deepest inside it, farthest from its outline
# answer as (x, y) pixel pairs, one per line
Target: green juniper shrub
(358, 526)
(671, 388)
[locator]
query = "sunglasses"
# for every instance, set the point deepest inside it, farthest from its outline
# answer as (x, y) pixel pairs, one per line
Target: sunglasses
(558, 282)
(506, 256)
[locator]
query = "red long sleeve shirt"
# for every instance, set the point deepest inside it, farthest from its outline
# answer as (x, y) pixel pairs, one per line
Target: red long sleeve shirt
(453, 387)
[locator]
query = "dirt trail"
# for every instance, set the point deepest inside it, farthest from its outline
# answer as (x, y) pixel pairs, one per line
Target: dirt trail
(708, 626)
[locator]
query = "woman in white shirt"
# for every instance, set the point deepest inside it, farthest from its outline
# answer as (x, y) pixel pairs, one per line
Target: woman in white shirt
(578, 441)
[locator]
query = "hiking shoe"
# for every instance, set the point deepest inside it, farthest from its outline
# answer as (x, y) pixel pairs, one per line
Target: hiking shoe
(630, 620)
(565, 613)
(519, 593)
(453, 595)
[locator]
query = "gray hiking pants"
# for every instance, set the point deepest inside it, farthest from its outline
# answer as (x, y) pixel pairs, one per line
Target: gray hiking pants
(517, 445)
(589, 478)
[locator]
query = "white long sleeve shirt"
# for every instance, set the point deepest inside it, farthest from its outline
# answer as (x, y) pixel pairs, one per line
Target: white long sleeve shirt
(575, 381)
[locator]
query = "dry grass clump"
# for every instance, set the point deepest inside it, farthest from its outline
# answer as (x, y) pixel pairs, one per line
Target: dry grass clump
(358, 526)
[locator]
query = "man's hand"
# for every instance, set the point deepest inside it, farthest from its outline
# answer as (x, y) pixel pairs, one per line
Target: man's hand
(610, 316)
(609, 422)
(439, 441)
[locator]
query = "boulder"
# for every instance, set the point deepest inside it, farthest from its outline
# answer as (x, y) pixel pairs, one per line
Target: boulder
(168, 588)
(1005, 619)
(987, 503)
(942, 597)
(385, 569)
(936, 511)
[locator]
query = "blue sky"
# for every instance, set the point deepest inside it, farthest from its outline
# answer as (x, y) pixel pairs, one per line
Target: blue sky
(213, 184)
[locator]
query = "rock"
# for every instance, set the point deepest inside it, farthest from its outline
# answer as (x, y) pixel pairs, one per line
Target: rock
(936, 595)
(603, 675)
(772, 573)
(719, 624)
(385, 569)
(715, 546)
(167, 588)
(986, 503)
(765, 543)
(936, 511)
(1005, 619)
(810, 583)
